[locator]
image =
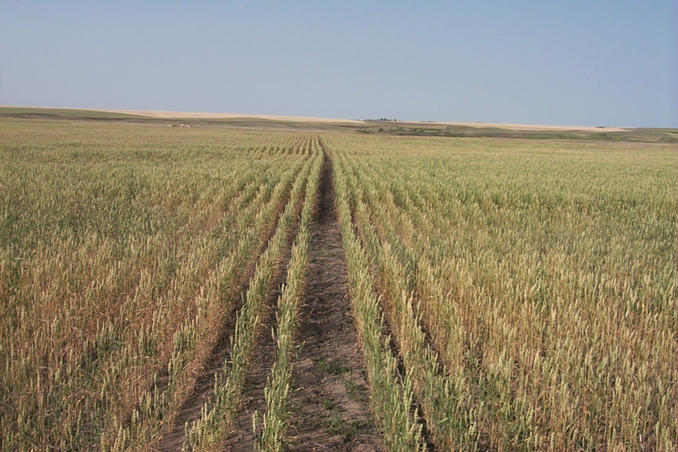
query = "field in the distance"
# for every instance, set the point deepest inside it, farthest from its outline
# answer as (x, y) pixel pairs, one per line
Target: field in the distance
(253, 283)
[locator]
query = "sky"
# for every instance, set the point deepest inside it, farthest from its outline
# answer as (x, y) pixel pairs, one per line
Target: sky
(599, 63)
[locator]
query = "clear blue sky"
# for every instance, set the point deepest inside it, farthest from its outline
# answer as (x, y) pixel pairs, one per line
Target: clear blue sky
(578, 62)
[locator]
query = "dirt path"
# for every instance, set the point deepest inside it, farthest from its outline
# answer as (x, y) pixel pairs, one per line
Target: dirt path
(330, 407)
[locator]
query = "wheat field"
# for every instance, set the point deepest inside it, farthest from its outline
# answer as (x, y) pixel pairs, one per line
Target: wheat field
(500, 292)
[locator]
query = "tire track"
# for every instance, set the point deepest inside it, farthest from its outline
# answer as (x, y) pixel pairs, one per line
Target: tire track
(330, 407)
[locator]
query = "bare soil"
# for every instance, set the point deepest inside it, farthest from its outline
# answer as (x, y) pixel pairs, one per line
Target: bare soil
(330, 406)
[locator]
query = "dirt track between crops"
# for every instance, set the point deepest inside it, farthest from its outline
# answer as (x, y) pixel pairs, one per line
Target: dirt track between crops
(330, 406)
